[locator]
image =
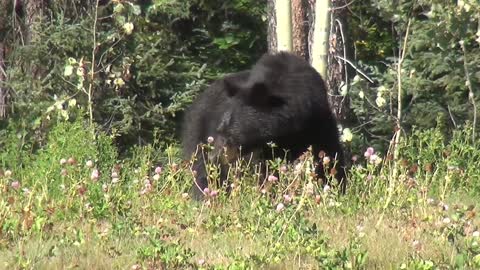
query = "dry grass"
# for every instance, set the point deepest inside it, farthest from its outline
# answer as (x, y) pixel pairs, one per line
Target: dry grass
(400, 236)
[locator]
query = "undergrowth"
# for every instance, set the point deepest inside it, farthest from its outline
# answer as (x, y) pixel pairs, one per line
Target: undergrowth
(74, 203)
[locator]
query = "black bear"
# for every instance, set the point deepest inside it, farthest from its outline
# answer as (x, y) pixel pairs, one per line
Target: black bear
(281, 99)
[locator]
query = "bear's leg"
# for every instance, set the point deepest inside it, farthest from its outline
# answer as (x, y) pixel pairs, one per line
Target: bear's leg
(200, 176)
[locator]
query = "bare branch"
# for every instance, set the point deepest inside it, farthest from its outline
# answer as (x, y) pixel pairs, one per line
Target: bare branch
(357, 69)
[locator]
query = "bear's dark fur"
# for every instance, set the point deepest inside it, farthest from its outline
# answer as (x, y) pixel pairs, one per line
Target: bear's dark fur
(282, 99)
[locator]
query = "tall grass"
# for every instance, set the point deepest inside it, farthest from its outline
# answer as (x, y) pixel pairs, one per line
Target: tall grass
(74, 203)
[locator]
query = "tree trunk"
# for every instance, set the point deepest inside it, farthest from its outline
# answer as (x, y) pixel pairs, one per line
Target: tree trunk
(283, 13)
(3, 79)
(338, 75)
(3, 75)
(300, 28)
(34, 12)
(272, 27)
(319, 48)
(3, 18)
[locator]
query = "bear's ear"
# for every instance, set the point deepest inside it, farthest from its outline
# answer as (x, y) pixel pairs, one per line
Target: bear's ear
(231, 88)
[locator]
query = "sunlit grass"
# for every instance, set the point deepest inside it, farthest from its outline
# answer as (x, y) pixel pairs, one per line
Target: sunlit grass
(137, 214)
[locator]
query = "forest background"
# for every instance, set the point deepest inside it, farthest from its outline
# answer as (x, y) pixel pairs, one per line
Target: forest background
(101, 86)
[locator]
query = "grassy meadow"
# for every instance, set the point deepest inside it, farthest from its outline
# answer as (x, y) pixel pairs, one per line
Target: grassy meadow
(75, 204)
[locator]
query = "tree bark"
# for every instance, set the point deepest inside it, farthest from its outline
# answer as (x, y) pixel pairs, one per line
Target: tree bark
(283, 14)
(338, 74)
(272, 27)
(300, 28)
(319, 48)
(34, 13)
(3, 75)
(3, 79)
(3, 18)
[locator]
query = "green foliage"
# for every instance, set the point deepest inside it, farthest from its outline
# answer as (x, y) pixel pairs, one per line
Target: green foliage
(63, 184)
(137, 208)
(434, 87)
(15, 146)
(454, 160)
(150, 60)
(164, 255)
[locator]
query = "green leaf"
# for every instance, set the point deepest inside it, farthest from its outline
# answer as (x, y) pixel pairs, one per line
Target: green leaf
(68, 71)
(72, 61)
(136, 10)
(118, 8)
(476, 260)
(120, 20)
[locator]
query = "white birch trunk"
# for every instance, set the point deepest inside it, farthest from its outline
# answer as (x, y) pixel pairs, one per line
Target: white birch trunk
(320, 37)
(283, 13)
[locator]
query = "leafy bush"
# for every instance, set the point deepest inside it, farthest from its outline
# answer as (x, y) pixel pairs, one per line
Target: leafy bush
(442, 47)
(149, 60)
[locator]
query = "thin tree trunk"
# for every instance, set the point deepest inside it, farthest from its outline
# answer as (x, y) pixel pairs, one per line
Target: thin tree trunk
(338, 76)
(300, 28)
(283, 13)
(319, 48)
(3, 75)
(272, 27)
(3, 17)
(3, 79)
(34, 12)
